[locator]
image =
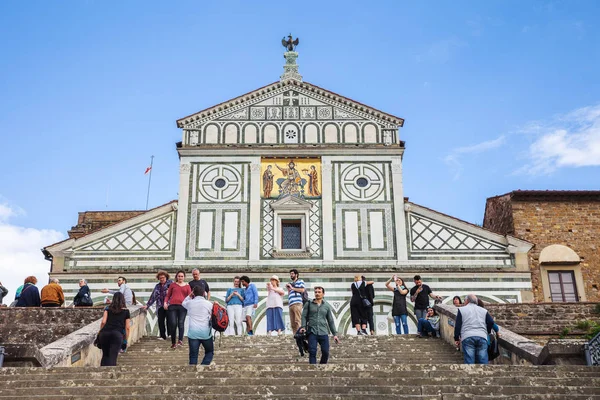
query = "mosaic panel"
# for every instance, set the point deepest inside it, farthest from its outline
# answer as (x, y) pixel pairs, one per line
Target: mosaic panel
(291, 176)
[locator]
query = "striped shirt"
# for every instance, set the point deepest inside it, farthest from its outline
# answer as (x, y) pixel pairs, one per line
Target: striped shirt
(293, 296)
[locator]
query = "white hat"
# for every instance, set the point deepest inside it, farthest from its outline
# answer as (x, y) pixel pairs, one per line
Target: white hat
(276, 278)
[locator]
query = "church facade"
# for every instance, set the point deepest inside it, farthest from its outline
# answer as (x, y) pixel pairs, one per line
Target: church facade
(292, 175)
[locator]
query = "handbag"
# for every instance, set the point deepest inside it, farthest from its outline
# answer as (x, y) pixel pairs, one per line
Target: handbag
(97, 340)
(493, 348)
(366, 302)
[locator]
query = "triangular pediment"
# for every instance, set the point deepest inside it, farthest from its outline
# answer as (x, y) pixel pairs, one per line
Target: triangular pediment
(150, 232)
(290, 101)
(431, 231)
(291, 203)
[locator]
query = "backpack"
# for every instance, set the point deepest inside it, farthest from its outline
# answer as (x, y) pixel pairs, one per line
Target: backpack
(219, 318)
(305, 295)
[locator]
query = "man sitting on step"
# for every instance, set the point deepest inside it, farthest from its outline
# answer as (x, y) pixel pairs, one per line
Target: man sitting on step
(317, 320)
(473, 323)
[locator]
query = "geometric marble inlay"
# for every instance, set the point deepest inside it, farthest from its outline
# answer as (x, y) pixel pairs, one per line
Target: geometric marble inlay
(430, 235)
(154, 235)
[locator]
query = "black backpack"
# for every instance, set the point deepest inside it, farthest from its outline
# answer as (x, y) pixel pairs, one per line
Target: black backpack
(305, 295)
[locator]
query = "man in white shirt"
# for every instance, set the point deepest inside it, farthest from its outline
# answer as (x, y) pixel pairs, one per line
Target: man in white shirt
(123, 288)
(199, 311)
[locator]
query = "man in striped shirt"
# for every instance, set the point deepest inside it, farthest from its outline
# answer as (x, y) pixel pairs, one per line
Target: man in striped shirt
(295, 289)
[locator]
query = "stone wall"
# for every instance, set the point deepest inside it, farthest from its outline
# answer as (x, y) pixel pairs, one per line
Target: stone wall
(575, 224)
(90, 221)
(568, 218)
(498, 215)
(543, 319)
(24, 331)
(56, 336)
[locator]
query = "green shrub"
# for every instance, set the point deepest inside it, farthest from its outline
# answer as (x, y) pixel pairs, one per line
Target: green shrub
(583, 325)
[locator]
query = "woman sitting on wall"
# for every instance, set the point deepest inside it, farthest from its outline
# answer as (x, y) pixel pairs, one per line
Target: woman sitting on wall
(30, 295)
(116, 318)
(430, 325)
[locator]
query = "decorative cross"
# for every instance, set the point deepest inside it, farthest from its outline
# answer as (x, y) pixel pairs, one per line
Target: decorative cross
(290, 98)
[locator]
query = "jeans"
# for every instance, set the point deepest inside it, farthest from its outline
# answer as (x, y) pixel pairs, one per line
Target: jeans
(420, 314)
(475, 350)
(424, 327)
(234, 312)
(176, 321)
(209, 350)
(161, 316)
(401, 319)
(323, 341)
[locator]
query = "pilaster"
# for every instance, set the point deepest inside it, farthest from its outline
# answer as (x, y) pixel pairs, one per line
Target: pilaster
(327, 209)
(255, 210)
(399, 215)
(182, 212)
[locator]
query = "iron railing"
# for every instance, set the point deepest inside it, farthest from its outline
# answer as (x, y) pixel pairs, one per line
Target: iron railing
(592, 351)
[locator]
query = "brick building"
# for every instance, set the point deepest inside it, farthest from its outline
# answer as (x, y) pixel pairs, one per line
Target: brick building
(565, 227)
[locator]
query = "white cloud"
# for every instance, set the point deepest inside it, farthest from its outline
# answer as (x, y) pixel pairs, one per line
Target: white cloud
(20, 254)
(454, 158)
(570, 140)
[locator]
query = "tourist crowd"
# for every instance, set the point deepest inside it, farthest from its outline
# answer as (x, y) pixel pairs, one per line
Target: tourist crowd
(311, 321)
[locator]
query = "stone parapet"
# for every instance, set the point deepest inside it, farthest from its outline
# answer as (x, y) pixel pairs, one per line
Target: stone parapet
(57, 336)
(514, 348)
(544, 319)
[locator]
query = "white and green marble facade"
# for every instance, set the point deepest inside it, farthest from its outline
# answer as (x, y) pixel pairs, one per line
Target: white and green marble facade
(226, 228)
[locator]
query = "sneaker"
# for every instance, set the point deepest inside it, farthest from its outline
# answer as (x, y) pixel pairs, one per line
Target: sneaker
(360, 333)
(161, 338)
(179, 343)
(121, 351)
(364, 332)
(250, 333)
(174, 346)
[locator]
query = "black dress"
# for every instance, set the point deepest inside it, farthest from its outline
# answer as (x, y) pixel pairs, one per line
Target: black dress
(357, 309)
(399, 304)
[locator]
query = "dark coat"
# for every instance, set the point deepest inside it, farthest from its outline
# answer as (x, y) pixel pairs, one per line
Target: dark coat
(30, 297)
(82, 297)
(358, 294)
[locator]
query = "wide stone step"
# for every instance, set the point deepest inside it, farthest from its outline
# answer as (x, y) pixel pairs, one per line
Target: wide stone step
(374, 379)
(280, 389)
(461, 369)
(326, 396)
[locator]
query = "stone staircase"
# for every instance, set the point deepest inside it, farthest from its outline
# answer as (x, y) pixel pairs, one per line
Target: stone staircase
(260, 367)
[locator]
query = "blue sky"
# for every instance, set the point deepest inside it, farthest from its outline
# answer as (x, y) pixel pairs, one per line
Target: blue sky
(497, 95)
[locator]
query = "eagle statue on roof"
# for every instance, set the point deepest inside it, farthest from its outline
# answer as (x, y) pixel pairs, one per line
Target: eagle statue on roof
(290, 44)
